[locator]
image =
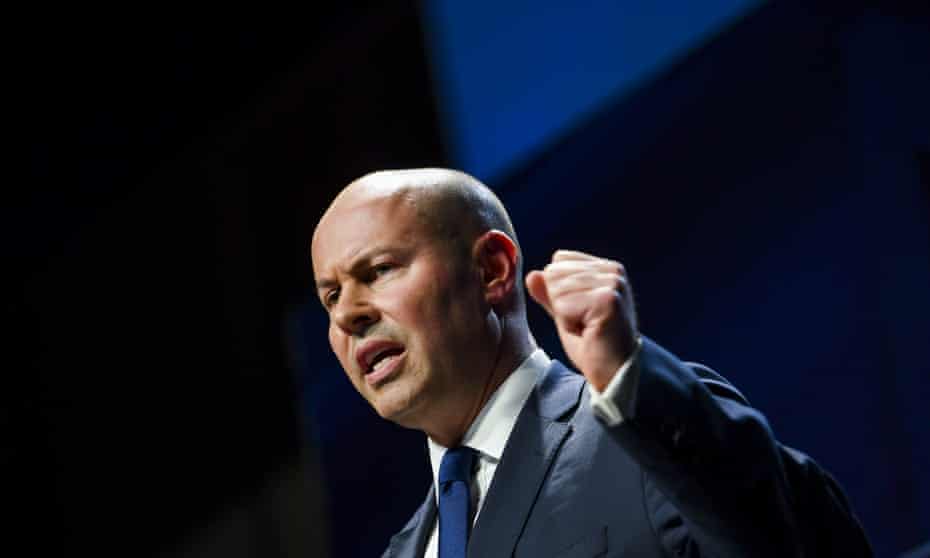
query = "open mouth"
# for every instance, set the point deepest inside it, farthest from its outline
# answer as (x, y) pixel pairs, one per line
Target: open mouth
(378, 359)
(384, 365)
(384, 359)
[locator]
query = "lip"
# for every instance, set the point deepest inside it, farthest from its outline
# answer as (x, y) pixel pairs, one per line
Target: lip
(367, 351)
(386, 371)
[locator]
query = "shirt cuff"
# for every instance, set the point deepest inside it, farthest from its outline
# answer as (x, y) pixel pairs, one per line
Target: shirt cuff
(615, 403)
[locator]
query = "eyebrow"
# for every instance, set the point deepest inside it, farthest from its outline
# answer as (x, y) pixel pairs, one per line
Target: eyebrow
(360, 259)
(324, 284)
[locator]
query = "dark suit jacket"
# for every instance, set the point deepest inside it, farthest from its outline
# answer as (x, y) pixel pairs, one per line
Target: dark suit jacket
(695, 472)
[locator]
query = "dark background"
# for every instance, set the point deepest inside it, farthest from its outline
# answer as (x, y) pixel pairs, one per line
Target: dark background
(169, 390)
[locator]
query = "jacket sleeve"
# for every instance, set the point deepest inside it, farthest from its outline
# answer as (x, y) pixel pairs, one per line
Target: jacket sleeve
(717, 481)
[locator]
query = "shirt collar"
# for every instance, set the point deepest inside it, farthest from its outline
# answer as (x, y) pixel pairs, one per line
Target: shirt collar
(489, 432)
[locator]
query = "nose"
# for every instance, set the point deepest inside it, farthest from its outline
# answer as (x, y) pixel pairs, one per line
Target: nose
(354, 313)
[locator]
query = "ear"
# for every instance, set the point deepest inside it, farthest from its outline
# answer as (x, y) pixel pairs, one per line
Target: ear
(496, 255)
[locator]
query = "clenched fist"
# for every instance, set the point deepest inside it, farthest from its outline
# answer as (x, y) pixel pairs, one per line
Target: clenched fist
(592, 305)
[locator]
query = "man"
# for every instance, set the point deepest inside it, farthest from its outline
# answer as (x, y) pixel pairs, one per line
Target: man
(641, 455)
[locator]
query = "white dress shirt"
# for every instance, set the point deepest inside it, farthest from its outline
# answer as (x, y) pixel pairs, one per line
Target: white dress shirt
(489, 433)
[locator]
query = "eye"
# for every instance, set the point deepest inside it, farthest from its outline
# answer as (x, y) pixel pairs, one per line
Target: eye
(331, 298)
(380, 269)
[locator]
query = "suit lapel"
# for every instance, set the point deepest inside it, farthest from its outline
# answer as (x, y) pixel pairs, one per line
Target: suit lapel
(411, 541)
(533, 444)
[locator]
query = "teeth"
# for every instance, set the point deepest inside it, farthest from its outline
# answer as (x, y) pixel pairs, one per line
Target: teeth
(382, 362)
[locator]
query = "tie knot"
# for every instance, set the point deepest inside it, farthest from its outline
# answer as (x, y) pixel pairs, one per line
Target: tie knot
(456, 465)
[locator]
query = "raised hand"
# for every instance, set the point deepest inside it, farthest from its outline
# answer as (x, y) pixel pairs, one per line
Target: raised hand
(592, 305)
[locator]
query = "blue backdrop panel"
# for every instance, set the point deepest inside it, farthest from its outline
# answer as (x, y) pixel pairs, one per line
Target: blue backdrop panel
(513, 76)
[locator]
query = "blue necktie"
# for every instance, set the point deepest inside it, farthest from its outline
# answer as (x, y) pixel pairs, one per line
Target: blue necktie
(454, 501)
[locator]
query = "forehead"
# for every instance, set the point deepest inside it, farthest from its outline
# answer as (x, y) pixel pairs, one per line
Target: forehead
(360, 220)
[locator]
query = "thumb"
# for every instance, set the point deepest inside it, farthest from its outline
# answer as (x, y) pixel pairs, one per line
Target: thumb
(536, 286)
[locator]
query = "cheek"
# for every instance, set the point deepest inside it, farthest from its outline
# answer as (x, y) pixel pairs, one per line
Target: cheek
(444, 316)
(337, 343)
(432, 311)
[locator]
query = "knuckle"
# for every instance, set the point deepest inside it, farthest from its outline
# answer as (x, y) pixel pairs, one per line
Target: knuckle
(561, 307)
(609, 299)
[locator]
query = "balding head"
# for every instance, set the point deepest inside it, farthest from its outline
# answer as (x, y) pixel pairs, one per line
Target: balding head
(451, 202)
(455, 207)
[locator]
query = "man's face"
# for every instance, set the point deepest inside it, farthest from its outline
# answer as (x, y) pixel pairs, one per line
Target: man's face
(407, 321)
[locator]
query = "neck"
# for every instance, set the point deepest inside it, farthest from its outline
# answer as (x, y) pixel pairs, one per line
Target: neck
(516, 345)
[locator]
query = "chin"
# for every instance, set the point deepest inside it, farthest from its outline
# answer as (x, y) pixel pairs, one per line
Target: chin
(398, 409)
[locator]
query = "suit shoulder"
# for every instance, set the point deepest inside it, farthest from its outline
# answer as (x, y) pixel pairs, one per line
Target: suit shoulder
(716, 383)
